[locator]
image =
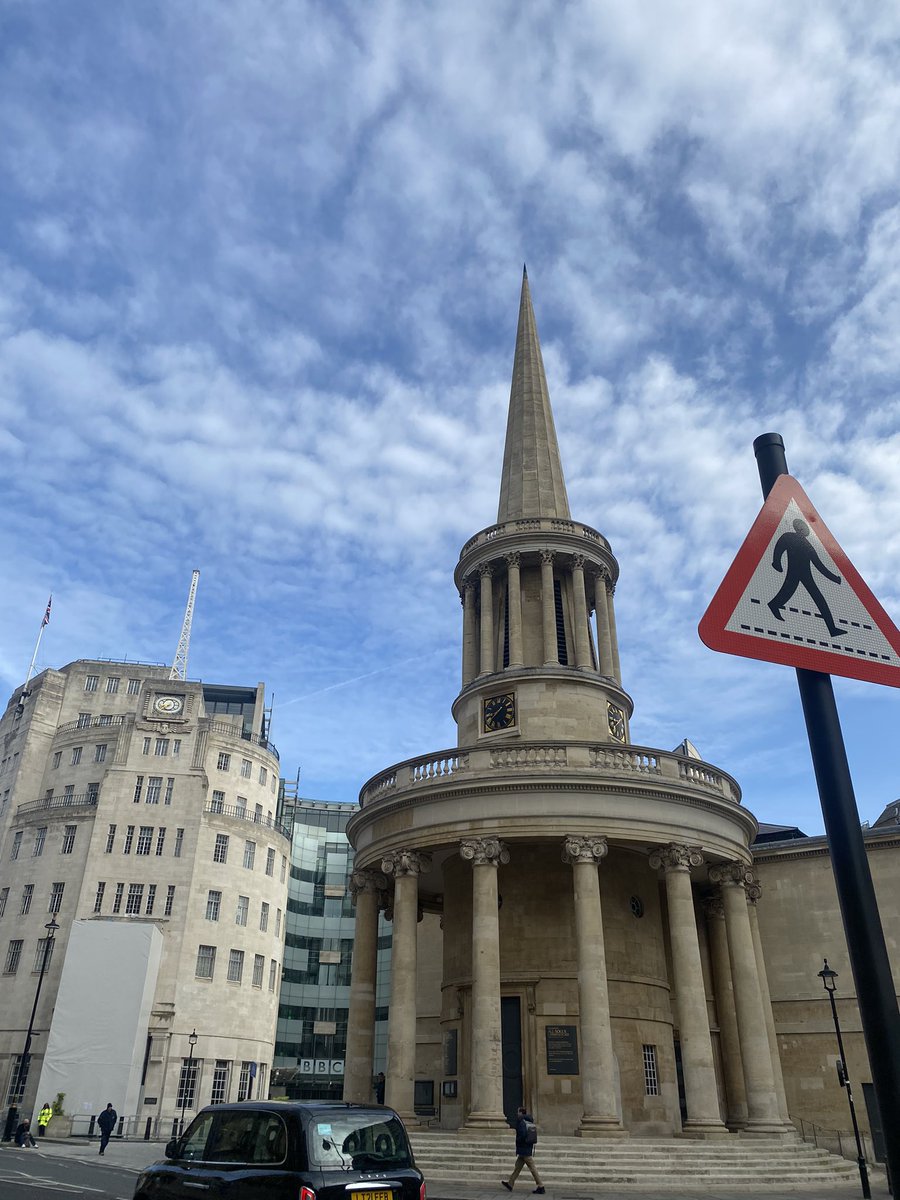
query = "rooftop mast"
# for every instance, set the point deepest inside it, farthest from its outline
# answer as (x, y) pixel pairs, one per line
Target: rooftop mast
(179, 666)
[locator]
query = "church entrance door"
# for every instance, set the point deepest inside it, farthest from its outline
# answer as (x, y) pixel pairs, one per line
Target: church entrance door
(511, 1043)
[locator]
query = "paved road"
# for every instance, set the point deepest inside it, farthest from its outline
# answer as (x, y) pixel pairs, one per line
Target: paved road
(64, 1169)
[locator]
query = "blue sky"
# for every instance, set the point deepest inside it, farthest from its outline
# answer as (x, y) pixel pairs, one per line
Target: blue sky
(259, 272)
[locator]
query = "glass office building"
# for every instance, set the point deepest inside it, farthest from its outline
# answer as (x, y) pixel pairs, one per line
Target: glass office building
(311, 1039)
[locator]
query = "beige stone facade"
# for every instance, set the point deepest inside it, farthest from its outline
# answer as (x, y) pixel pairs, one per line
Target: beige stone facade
(132, 798)
(580, 969)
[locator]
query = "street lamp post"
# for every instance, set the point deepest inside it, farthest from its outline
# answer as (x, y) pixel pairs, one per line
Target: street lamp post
(188, 1077)
(828, 977)
(51, 928)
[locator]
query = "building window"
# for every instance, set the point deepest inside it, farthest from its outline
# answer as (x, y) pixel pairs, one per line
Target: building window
(278, 922)
(246, 768)
(138, 789)
(154, 787)
(76, 755)
(44, 951)
(206, 962)
(218, 802)
(259, 964)
(213, 904)
(249, 855)
(110, 839)
(129, 838)
(243, 910)
(162, 747)
(134, 687)
(273, 970)
(187, 1084)
(651, 1075)
(283, 867)
(264, 916)
(68, 791)
(91, 683)
(100, 752)
(179, 842)
(93, 793)
(220, 853)
(98, 899)
(170, 787)
(244, 1082)
(84, 720)
(68, 842)
(56, 895)
(151, 898)
(135, 899)
(57, 759)
(4, 896)
(146, 749)
(270, 861)
(105, 719)
(235, 966)
(170, 899)
(27, 893)
(262, 774)
(112, 684)
(219, 1092)
(117, 899)
(13, 954)
(240, 808)
(224, 761)
(16, 845)
(257, 814)
(40, 837)
(160, 840)
(145, 839)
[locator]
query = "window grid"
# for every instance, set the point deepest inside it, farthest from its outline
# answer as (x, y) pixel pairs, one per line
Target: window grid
(160, 840)
(16, 845)
(145, 840)
(91, 683)
(138, 788)
(264, 916)
(68, 842)
(213, 904)
(220, 852)
(44, 947)
(13, 954)
(218, 802)
(170, 787)
(4, 896)
(151, 899)
(259, 964)
(154, 787)
(27, 893)
(246, 768)
(187, 1084)
(112, 684)
(100, 752)
(110, 839)
(170, 899)
(162, 747)
(235, 966)
(219, 1093)
(134, 687)
(129, 839)
(651, 1075)
(206, 962)
(56, 895)
(179, 841)
(135, 899)
(224, 762)
(273, 968)
(76, 755)
(98, 899)
(117, 901)
(243, 910)
(40, 837)
(270, 861)
(244, 1082)
(249, 855)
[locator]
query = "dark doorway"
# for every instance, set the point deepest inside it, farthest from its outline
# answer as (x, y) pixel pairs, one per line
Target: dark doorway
(679, 1073)
(511, 1044)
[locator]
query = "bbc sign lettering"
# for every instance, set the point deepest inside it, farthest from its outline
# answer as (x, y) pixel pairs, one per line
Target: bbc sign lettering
(321, 1066)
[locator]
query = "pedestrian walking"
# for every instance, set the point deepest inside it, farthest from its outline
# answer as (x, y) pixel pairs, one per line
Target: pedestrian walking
(526, 1140)
(107, 1122)
(24, 1138)
(44, 1118)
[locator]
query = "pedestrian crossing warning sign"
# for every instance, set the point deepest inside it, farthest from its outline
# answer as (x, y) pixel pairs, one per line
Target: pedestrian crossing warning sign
(792, 596)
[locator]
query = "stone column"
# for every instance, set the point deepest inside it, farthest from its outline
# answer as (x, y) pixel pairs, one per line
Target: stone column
(604, 645)
(405, 866)
(613, 636)
(598, 1071)
(754, 891)
(487, 621)
(470, 634)
(735, 1092)
(762, 1103)
(582, 645)
(367, 888)
(548, 610)
(701, 1091)
(486, 1076)
(514, 602)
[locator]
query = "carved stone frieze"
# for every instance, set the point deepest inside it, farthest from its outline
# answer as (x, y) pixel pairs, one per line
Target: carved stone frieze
(482, 852)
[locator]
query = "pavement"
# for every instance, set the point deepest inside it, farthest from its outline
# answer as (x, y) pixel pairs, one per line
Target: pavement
(135, 1155)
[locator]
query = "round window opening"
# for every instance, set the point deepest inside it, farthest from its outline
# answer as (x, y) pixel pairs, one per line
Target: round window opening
(636, 905)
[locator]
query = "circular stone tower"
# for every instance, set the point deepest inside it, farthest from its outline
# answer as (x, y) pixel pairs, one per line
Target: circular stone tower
(600, 960)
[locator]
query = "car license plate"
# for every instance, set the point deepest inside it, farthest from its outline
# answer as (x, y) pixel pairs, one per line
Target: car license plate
(382, 1194)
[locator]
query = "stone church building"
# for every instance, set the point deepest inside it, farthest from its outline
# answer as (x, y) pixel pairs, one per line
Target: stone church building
(574, 917)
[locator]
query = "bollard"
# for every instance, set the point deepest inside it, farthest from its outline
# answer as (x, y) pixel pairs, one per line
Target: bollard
(175, 1128)
(91, 1126)
(147, 1129)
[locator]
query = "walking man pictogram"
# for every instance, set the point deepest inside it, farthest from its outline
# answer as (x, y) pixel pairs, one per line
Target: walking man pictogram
(801, 558)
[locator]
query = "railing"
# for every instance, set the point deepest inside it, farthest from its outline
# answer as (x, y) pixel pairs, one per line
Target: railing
(241, 814)
(253, 738)
(93, 723)
(134, 1128)
(535, 525)
(835, 1141)
(582, 757)
(79, 800)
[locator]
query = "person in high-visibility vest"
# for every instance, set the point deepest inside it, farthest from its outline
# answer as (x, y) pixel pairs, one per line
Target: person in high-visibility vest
(44, 1119)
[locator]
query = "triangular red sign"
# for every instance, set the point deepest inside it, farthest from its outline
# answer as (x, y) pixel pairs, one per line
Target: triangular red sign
(792, 596)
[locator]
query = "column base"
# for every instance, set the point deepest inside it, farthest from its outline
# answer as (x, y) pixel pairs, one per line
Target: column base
(601, 1127)
(484, 1122)
(409, 1119)
(769, 1129)
(704, 1130)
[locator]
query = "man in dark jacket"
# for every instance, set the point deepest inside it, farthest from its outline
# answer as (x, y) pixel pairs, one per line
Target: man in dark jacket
(107, 1122)
(526, 1140)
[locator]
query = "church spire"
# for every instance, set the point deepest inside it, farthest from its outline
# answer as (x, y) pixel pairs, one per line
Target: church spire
(532, 484)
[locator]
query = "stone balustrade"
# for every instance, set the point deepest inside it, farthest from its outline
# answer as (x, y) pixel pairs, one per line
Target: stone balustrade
(535, 525)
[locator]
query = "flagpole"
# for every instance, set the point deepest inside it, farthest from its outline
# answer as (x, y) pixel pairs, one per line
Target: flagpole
(37, 645)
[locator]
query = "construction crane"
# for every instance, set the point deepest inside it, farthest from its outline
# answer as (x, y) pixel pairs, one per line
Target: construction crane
(179, 666)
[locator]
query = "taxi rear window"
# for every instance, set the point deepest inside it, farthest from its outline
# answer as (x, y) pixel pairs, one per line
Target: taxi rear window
(358, 1141)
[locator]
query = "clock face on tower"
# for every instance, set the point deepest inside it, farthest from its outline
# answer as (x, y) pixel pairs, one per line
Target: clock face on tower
(499, 712)
(168, 706)
(616, 721)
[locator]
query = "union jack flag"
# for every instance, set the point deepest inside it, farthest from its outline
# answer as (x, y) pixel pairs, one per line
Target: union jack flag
(46, 620)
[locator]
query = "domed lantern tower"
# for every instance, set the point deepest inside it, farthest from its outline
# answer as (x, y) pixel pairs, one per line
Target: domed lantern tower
(600, 957)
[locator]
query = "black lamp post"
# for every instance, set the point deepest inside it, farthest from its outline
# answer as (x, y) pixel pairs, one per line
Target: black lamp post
(188, 1077)
(828, 976)
(51, 928)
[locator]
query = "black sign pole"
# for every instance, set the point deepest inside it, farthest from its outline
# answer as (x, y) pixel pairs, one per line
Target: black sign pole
(869, 960)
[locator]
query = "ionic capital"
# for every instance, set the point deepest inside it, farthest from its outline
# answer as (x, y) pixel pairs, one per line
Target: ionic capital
(368, 881)
(578, 849)
(405, 862)
(675, 857)
(484, 852)
(732, 874)
(513, 559)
